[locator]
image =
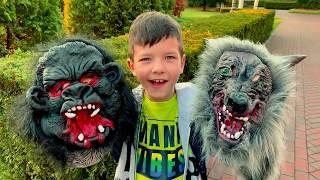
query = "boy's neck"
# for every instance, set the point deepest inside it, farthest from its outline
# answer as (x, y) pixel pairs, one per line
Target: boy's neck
(159, 100)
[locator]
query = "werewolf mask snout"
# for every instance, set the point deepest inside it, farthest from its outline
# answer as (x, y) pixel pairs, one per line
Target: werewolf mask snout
(242, 87)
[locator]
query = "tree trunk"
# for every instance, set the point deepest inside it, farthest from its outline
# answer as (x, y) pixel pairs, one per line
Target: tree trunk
(240, 5)
(256, 4)
(233, 5)
(9, 38)
(204, 5)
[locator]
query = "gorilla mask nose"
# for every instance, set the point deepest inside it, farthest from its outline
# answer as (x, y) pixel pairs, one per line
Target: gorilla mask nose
(238, 101)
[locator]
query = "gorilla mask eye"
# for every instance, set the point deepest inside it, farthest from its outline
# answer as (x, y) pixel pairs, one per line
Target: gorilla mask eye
(56, 90)
(89, 78)
(225, 71)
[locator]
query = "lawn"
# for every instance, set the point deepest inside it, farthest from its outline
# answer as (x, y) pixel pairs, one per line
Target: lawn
(190, 13)
(276, 22)
(304, 11)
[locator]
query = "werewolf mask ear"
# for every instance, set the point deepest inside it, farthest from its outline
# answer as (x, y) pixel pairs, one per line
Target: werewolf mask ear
(37, 98)
(113, 72)
(292, 60)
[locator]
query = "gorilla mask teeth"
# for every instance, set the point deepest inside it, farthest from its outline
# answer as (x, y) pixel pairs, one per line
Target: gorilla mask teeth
(101, 128)
(70, 115)
(80, 137)
(95, 112)
(85, 126)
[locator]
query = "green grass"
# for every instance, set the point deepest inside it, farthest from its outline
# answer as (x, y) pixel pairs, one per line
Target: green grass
(304, 11)
(276, 23)
(194, 13)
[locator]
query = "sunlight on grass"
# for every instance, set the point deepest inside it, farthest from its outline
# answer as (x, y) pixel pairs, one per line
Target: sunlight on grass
(190, 13)
(276, 23)
(304, 11)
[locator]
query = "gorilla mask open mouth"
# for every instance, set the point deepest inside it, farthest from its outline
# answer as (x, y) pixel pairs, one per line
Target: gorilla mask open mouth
(85, 126)
(233, 119)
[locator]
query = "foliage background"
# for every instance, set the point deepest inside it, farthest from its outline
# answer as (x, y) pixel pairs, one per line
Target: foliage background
(21, 159)
(24, 23)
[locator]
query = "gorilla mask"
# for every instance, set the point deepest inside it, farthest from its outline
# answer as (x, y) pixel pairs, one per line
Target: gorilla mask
(79, 102)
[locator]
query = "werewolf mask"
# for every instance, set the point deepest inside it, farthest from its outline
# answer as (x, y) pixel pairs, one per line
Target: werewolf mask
(242, 93)
(79, 104)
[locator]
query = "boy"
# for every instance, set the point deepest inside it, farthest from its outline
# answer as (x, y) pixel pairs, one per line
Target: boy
(156, 58)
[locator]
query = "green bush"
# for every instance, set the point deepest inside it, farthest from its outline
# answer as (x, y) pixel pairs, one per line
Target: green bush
(255, 25)
(20, 159)
(250, 3)
(280, 5)
(27, 22)
(308, 1)
(14, 74)
(102, 18)
(310, 5)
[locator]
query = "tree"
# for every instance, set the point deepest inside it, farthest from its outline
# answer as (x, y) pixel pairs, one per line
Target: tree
(233, 5)
(256, 4)
(179, 7)
(240, 6)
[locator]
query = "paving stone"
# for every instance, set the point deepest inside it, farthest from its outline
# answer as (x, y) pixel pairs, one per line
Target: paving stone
(315, 156)
(301, 175)
(301, 164)
(299, 34)
(287, 169)
(285, 177)
(316, 174)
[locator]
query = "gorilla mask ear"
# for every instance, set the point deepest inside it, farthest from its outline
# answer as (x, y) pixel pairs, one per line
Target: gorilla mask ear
(114, 73)
(37, 98)
(292, 60)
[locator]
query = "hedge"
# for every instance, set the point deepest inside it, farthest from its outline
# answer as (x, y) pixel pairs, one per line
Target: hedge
(17, 155)
(101, 18)
(280, 5)
(310, 5)
(27, 22)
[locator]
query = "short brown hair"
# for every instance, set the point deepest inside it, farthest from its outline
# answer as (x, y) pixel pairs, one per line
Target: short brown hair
(151, 27)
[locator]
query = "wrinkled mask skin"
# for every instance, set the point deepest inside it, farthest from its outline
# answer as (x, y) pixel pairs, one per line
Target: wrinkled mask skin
(77, 103)
(240, 103)
(240, 89)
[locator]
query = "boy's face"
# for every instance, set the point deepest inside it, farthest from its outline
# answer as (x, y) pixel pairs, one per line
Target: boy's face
(157, 68)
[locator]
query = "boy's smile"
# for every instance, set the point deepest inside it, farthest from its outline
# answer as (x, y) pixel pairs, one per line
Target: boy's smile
(158, 67)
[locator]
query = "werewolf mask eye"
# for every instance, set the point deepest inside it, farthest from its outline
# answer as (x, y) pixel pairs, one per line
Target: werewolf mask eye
(261, 83)
(256, 78)
(89, 78)
(56, 90)
(225, 71)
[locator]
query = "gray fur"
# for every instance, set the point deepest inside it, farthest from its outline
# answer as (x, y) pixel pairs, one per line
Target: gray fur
(259, 154)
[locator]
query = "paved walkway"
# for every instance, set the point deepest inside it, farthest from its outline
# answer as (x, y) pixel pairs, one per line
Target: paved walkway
(300, 34)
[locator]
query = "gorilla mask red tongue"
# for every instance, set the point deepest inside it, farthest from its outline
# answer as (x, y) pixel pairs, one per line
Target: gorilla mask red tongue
(86, 127)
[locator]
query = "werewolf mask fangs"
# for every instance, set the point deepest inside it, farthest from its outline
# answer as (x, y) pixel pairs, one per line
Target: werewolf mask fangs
(237, 101)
